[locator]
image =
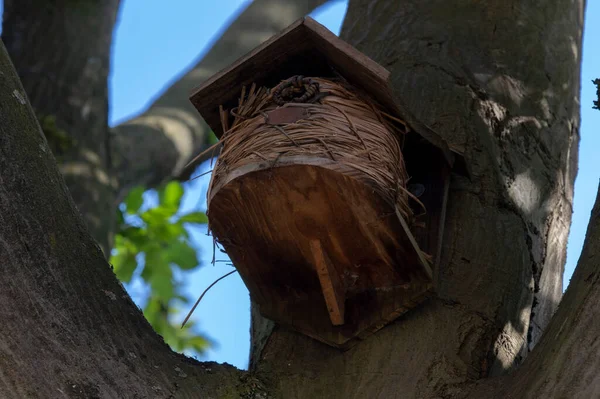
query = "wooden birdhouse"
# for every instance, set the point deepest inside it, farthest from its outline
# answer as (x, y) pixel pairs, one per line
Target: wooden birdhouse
(329, 202)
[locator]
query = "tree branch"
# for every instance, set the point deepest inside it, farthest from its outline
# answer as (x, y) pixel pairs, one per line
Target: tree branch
(61, 50)
(597, 101)
(565, 363)
(68, 327)
(157, 144)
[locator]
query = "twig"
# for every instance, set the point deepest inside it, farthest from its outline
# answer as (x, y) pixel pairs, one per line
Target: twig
(201, 296)
(212, 147)
(200, 175)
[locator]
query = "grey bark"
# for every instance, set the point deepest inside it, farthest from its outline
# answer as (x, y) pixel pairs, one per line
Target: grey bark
(565, 362)
(511, 105)
(597, 102)
(68, 328)
(61, 50)
(500, 81)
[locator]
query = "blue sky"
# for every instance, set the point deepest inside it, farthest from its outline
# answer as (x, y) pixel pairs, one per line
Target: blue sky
(154, 44)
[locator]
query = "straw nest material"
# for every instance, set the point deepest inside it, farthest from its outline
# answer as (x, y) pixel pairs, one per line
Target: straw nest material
(342, 129)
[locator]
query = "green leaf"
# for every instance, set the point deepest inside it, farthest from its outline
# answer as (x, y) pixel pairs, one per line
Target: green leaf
(212, 138)
(120, 243)
(153, 260)
(162, 239)
(157, 271)
(172, 194)
(166, 232)
(199, 344)
(182, 299)
(136, 235)
(194, 217)
(160, 214)
(162, 285)
(124, 264)
(158, 313)
(152, 313)
(134, 200)
(182, 254)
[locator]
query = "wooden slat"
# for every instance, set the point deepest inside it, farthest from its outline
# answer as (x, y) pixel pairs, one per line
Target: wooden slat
(258, 66)
(425, 166)
(424, 263)
(333, 290)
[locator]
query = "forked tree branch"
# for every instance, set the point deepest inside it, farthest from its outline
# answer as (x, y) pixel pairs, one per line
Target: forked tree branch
(565, 363)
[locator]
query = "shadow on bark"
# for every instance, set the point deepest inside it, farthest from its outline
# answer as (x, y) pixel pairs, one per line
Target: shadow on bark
(510, 106)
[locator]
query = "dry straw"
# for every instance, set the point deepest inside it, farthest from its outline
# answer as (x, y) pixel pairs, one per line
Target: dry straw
(341, 126)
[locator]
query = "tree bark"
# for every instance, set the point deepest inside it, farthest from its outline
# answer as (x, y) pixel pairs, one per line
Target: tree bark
(563, 364)
(512, 107)
(68, 327)
(61, 50)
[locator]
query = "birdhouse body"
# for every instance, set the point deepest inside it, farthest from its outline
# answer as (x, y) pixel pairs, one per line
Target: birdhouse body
(309, 195)
(301, 230)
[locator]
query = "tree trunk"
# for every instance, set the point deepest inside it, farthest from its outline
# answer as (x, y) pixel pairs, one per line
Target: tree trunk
(563, 364)
(511, 106)
(68, 327)
(61, 50)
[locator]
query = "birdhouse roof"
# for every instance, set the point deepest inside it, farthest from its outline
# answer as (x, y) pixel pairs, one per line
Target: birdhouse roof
(305, 48)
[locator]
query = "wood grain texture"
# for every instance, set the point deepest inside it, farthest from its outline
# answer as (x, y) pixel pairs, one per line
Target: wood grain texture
(331, 285)
(268, 219)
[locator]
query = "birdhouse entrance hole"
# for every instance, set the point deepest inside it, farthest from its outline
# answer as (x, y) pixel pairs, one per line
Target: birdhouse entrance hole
(310, 194)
